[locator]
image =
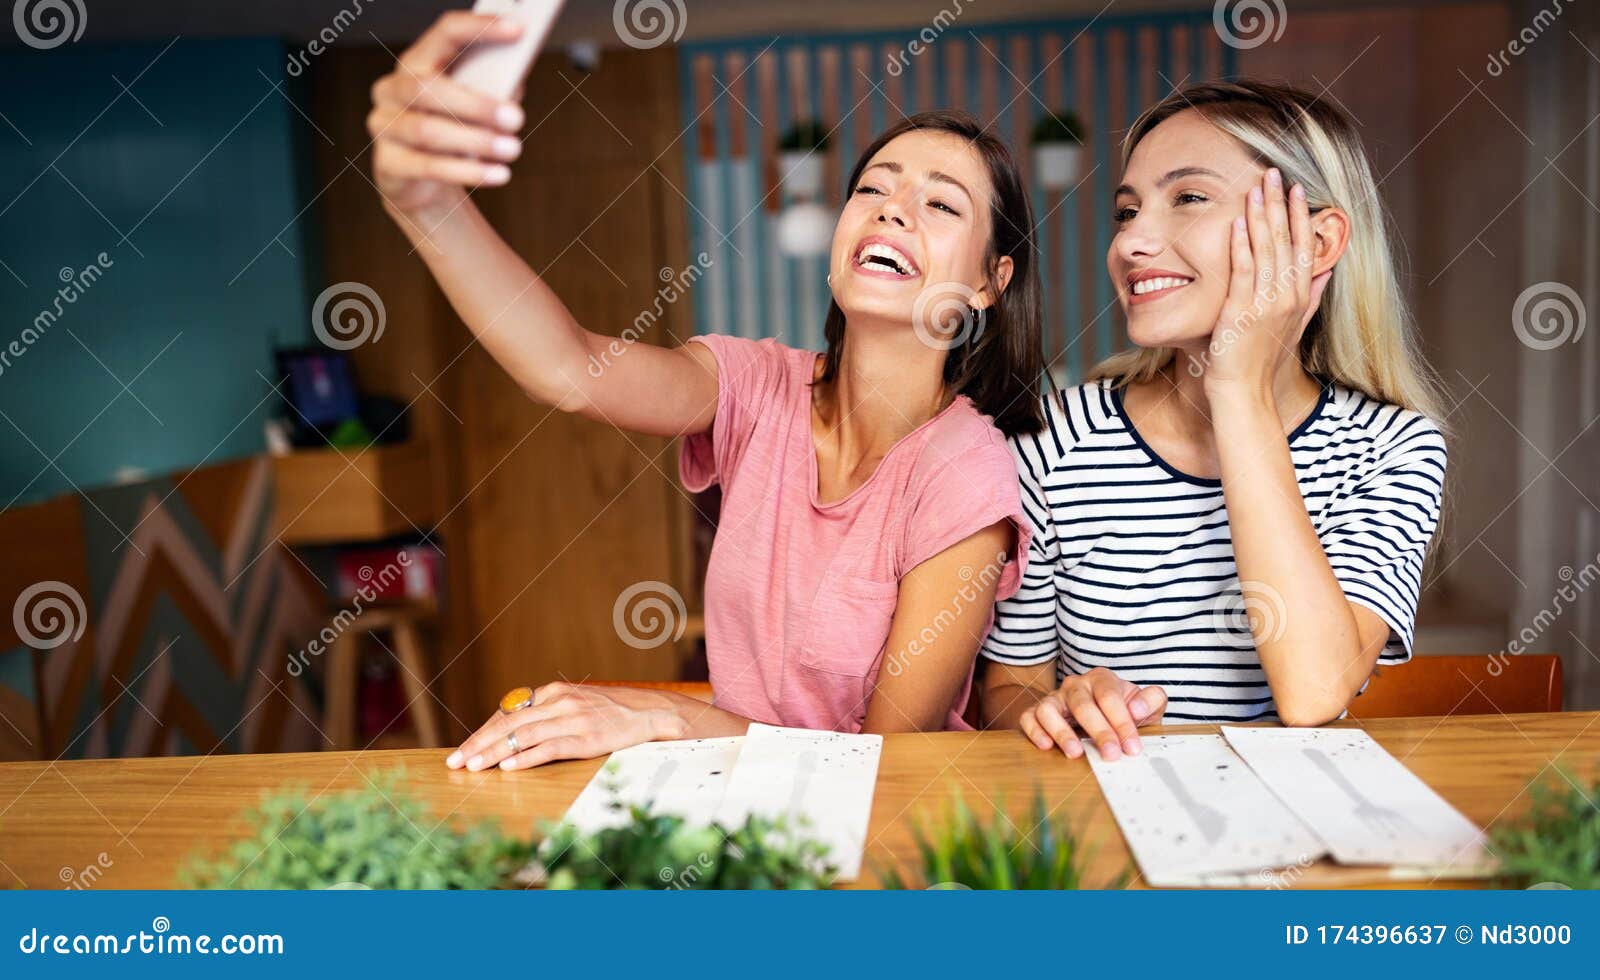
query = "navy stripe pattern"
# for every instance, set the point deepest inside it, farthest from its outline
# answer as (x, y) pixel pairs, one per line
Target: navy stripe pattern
(1131, 565)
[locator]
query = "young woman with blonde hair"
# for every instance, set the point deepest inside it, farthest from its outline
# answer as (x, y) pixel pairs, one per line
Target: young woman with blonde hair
(1230, 521)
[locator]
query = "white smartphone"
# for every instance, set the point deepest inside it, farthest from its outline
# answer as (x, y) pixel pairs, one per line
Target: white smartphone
(497, 69)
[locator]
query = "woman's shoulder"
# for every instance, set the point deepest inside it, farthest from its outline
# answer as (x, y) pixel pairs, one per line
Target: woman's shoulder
(767, 348)
(744, 362)
(1074, 415)
(1351, 417)
(963, 436)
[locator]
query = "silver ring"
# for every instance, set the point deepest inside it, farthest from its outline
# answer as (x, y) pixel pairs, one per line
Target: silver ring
(511, 742)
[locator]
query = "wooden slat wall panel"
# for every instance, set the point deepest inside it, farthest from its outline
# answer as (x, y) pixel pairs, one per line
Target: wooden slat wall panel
(1106, 70)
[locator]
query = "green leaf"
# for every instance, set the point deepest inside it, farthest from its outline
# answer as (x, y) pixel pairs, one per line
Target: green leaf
(369, 836)
(965, 850)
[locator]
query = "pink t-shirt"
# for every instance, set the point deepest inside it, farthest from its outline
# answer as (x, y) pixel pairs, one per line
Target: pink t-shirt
(800, 594)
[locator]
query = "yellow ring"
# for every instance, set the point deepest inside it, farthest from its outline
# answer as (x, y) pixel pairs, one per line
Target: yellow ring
(516, 699)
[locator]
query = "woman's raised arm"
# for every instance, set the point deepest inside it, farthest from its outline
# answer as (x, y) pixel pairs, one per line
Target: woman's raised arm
(433, 140)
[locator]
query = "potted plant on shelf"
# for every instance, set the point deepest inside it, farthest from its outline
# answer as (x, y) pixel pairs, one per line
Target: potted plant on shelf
(805, 227)
(1057, 149)
(800, 159)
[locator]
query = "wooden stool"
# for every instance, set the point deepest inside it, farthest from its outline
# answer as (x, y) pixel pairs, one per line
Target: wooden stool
(344, 661)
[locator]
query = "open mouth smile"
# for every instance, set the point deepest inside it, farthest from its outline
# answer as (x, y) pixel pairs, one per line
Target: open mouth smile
(877, 256)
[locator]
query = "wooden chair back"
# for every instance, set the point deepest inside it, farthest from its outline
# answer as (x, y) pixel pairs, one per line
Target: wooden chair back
(1462, 685)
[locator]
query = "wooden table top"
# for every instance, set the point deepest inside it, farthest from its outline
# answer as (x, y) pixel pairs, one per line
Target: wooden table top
(137, 819)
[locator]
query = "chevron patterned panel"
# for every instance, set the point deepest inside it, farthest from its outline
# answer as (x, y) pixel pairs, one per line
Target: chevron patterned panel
(193, 612)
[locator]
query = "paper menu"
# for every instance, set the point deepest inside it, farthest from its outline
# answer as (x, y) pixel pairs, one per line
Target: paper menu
(1365, 805)
(821, 782)
(683, 779)
(1190, 809)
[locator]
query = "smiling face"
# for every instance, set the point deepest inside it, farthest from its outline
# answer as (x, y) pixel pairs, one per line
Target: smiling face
(918, 218)
(1185, 183)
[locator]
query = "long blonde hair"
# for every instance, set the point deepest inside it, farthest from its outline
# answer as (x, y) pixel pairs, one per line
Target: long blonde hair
(1362, 335)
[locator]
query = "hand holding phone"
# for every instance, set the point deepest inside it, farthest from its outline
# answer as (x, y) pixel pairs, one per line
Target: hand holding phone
(436, 136)
(497, 68)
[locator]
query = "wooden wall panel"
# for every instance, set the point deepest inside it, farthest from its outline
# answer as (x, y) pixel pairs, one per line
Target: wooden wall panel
(549, 517)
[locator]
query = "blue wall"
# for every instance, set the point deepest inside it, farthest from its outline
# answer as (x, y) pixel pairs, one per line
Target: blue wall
(191, 186)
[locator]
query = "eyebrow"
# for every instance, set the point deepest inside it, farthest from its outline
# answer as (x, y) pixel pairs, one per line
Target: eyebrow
(1171, 176)
(937, 176)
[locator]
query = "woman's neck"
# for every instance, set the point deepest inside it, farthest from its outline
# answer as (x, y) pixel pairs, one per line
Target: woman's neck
(1294, 393)
(888, 383)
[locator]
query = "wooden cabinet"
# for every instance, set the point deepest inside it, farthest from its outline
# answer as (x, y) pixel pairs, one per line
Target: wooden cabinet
(327, 496)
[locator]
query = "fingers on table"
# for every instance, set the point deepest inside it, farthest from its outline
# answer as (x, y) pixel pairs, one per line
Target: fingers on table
(1122, 731)
(487, 746)
(1050, 717)
(1148, 703)
(1089, 714)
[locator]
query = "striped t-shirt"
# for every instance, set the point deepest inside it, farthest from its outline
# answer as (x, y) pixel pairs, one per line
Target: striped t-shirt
(1131, 565)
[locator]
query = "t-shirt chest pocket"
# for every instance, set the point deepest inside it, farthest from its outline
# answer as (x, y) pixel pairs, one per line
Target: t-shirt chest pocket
(849, 624)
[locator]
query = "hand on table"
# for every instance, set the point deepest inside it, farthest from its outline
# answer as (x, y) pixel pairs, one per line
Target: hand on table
(1099, 704)
(568, 721)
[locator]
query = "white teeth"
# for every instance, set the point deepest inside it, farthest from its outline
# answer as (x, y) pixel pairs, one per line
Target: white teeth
(889, 252)
(1164, 282)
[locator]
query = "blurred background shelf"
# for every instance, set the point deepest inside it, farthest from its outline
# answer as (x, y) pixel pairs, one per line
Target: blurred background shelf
(328, 495)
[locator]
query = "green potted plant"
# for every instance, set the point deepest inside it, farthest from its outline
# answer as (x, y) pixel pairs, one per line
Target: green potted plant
(967, 852)
(375, 836)
(1057, 149)
(1557, 842)
(660, 851)
(378, 836)
(805, 226)
(800, 159)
